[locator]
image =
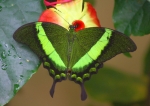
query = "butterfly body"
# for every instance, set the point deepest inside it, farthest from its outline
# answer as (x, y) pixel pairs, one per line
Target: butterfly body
(73, 54)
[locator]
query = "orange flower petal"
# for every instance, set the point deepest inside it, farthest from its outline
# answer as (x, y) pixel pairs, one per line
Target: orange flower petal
(90, 17)
(50, 15)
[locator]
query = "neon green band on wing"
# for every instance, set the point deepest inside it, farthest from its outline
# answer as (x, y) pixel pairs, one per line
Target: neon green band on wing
(97, 49)
(82, 63)
(46, 44)
(48, 48)
(56, 59)
(93, 53)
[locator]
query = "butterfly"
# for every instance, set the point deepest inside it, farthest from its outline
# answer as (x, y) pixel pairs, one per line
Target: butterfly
(72, 54)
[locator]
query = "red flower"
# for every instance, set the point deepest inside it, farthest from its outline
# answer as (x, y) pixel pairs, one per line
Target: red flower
(76, 12)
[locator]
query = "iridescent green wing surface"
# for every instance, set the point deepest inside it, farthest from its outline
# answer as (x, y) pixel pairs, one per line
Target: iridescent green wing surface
(118, 43)
(92, 47)
(49, 42)
(80, 60)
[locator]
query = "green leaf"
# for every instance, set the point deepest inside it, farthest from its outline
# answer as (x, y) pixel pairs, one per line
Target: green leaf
(17, 62)
(110, 85)
(132, 16)
(147, 62)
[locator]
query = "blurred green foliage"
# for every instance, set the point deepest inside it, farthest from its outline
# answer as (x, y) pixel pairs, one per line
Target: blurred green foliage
(131, 17)
(147, 62)
(111, 85)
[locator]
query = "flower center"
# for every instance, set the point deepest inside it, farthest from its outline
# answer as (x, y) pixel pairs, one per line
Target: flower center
(78, 25)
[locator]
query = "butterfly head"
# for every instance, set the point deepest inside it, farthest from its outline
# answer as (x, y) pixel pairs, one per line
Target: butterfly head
(77, 25)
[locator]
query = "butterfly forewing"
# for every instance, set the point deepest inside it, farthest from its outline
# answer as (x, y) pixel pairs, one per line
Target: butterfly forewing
(118, 43)
(58, 37)
(27, 34)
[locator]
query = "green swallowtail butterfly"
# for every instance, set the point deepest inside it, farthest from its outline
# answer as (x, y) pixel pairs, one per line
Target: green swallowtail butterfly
(72, 54)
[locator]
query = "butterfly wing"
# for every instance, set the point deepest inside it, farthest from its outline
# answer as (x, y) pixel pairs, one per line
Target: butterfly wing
(92, 47)
(27, 34)
(49, 42)
(84, 41)
(118, 43)
(82, 65)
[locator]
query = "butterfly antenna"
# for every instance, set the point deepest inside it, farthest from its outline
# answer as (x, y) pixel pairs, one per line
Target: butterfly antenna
(61, 16)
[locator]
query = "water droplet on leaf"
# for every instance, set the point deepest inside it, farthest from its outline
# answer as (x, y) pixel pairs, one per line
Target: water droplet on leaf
(6, 45)
(14, 56)
(9, 53)
(12, 47)
(0, 8)
(16, 88)
(12, 4)
(21, 76)
(4, 66)
(23, 19)
(3, 55)
(27, 60)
